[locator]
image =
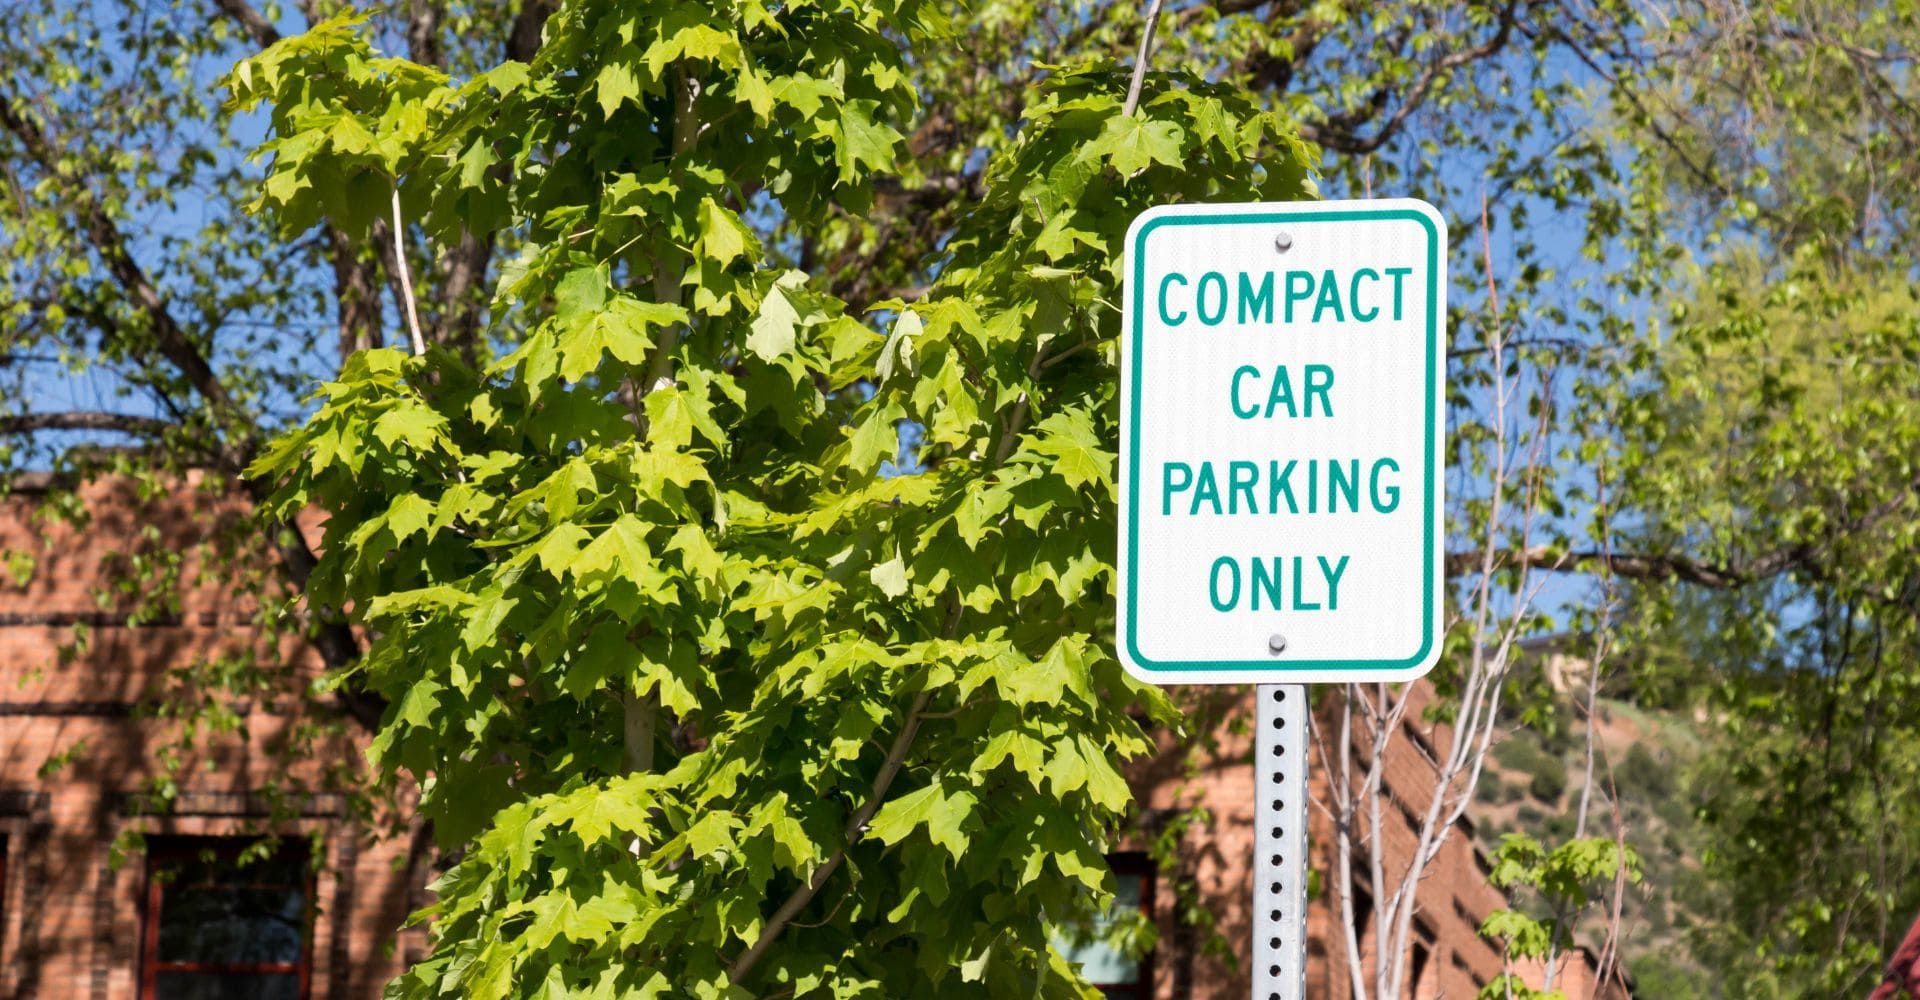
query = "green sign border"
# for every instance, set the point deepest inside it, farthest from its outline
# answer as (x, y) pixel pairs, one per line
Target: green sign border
(1138, 299)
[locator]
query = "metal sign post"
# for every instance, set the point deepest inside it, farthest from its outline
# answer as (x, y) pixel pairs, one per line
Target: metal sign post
(1282, 422)
(1280, 844)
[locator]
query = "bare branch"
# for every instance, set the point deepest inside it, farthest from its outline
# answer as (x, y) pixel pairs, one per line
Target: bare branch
(405, 275)
(1341, 132)
(1641, 566)
(83, 420)
(1515, 487)
(256, 25)
(1140, 61)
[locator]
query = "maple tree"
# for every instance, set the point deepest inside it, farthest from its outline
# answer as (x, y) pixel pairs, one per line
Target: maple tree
(709, 696)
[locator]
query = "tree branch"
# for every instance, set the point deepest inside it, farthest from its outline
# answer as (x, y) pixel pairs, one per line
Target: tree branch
(1640, 566)
(406, 278)
(1140, 61)
(171, 341)
(856, 830)
(261, 29)
(83, 420)
(1341, 132)
(523, 39)
(424, 45)
(331, 636)
(1706, 172)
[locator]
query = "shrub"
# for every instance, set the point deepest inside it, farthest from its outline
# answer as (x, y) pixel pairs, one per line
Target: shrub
(1549, 779)
(1518, 753)
(1641, 772)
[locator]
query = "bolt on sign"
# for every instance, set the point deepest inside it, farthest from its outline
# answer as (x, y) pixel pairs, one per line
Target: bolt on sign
(1282, 420)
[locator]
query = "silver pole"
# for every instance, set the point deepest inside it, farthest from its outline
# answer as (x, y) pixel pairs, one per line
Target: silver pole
(1280, 843)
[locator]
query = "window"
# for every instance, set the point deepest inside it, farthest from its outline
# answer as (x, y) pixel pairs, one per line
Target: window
(1110, 952)
(1422, 978)
(1362, 913)
(1417, 985)
(223, 927)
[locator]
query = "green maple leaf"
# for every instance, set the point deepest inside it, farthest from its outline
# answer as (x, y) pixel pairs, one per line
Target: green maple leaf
(1027, 754)
(673, 414)
(751, 87)
(712, 834)
(1132, 144)
(416, 707)
(875, 439)
(890, 577)
(900, 816)
(412, 422)
(943, 815)
(596, 811)
(485, 619)
(580, 292)
(977, 510)
(558, 550)
(773, 329)
(684, 32)
(1105, 786)
(696, 552)
(615, 85)
(1066, 771)
(863, 141)
(723, 237)
(410, 512)
(619, 550)
(622, 327)
(1069, 440)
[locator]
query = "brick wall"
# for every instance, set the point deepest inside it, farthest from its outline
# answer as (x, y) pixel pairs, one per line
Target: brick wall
(71, 919)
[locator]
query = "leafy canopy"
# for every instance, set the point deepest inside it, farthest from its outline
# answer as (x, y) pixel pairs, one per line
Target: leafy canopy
(716, 698)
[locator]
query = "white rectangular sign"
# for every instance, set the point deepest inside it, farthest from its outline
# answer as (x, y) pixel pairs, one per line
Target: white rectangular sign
(1282, 421)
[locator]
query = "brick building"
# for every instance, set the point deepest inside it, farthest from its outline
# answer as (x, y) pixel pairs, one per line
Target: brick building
(180, 917)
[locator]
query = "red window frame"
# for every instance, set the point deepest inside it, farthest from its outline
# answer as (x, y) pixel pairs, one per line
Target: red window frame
(5, 842)
(163, 849)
